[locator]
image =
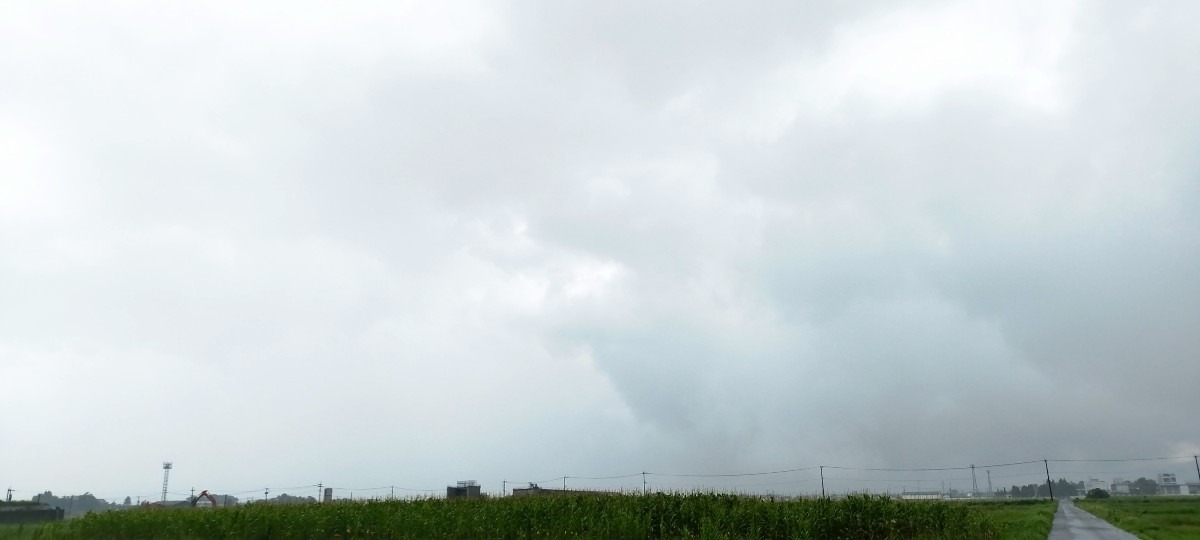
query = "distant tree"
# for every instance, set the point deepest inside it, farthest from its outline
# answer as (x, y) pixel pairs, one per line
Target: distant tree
(1097, 493)
(128, 501)
(1029, 491)
(1063, 488)
(76, 505)
(291, 499)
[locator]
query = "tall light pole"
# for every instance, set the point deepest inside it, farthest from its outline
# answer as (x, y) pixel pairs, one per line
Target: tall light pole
(166, 475)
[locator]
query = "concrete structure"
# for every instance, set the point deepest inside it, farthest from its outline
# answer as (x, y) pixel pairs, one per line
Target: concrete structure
(1095, 483)
(465, 489)
(327, 496)
(920, 495)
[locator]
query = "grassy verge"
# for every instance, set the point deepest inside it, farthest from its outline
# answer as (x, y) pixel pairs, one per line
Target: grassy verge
(697, 516)
(1157, 518)
(1020, 519)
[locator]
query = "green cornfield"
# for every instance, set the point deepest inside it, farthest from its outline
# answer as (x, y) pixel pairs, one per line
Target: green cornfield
(579, 516)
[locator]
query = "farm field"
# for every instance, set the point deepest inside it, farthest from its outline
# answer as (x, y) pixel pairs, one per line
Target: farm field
(1156, 518)
(617, 516)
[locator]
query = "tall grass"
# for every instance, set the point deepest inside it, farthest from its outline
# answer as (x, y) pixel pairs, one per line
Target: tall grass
(699, 516)
(1019, 519)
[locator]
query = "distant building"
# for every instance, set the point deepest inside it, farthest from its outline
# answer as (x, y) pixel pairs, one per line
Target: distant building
(466, 489)
(1120, 487)
(1094, 483)
(534, 490)
(920, 495)
(1167, 479)
(20, 514)
(1190, 488)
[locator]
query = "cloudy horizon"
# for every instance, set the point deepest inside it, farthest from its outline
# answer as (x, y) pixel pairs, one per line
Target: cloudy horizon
(413, 243)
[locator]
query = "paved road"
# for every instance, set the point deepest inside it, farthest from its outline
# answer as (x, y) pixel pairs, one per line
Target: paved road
(1071, 523)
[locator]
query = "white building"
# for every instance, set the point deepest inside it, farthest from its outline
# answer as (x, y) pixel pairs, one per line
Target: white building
(1190, 488)
(1167, 479)
(1095, 483)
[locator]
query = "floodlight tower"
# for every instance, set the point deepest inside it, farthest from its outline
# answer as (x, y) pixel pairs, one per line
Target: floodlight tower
(166, 474)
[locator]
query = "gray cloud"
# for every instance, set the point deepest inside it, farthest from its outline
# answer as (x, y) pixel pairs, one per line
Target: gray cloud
(412, 244)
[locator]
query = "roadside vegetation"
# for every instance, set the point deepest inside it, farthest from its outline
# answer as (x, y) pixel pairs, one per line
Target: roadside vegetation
(18, 532)
(1156, 518)
(1020, 519)
(696, 516)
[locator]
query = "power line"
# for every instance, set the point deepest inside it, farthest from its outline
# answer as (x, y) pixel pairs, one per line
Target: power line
(381, 488)
(930, 469)
(604, 477)
(646, 474)
(730, 475)
(555, 479)
(1116, 460)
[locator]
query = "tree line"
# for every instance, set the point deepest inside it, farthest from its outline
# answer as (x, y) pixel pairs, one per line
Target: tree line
(1066, 488)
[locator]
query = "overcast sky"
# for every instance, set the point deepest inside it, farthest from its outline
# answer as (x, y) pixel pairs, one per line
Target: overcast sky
(372, 244)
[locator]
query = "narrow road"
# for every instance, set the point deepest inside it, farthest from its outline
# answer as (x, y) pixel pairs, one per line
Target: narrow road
(1071, 523)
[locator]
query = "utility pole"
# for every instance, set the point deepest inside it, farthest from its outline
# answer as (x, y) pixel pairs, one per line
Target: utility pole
(1197, 462)
(1049, 484)
(645, 490)
(266, 491)
(990, 492)
(8, 498)
(822, 467)
(564, 483)
(320, 492)
(974, 484)
(504, 488)
(393, 492)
